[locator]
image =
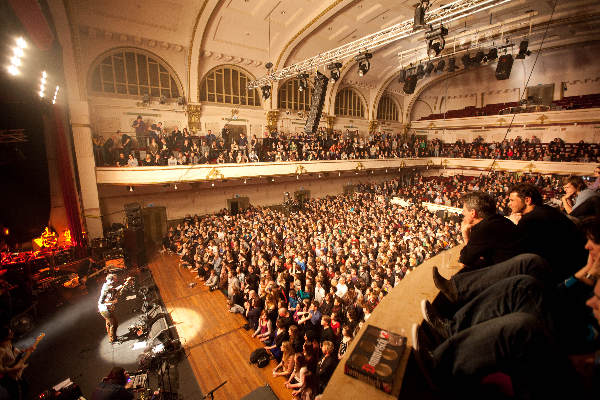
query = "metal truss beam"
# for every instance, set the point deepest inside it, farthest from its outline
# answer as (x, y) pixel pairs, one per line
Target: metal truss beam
(447, 13)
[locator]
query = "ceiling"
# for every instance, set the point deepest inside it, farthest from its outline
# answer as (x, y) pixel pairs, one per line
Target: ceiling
(288, 31)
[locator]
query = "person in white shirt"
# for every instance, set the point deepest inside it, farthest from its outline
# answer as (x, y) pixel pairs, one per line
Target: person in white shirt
(105, 306)
(342, 288)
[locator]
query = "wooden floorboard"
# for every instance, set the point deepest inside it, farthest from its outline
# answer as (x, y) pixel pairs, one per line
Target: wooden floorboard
(218, 346)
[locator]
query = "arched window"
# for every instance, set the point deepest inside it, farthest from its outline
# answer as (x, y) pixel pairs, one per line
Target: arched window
(387, 109)
(290, 98)
(228, 85)
(134, 72)
(348, 103)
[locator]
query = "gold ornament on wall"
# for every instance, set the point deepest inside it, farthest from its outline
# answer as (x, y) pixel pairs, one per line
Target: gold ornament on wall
(194, 111)
(214, 174)
(272, 117)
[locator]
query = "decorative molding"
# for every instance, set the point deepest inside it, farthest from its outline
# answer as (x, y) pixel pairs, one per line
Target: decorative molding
(214, 174)
(194, 112)
(95, 33)
(272, 117)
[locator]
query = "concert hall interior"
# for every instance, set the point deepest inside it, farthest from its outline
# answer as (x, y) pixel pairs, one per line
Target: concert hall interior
(278, 199)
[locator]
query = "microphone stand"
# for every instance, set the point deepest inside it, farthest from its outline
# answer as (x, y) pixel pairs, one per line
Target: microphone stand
(211, 395)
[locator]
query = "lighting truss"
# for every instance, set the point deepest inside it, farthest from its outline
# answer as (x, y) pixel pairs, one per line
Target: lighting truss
(444, 14)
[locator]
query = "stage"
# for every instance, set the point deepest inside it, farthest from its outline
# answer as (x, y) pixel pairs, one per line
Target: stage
(218, 347)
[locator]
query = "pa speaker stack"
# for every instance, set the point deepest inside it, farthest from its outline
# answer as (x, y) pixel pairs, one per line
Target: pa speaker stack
(133, 212)
(316, 108)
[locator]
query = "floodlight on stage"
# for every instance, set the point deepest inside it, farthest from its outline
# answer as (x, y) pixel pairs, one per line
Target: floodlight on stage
(440, 66)
(363, 63)
(18, 53)
(302, 81)
(43, 84)
(523, 50)
(452, 64)
(266, 91)
(429, 69)
(55, 94)
(335, 71)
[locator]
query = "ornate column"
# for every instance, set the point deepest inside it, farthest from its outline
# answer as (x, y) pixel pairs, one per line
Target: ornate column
(272, 117)
(86, 166)
(194, 111)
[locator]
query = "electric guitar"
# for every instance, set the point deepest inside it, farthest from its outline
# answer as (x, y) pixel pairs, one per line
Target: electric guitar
(22, 359)
(117, 292)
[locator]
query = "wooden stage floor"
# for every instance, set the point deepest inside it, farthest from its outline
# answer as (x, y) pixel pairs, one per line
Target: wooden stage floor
(218, 346)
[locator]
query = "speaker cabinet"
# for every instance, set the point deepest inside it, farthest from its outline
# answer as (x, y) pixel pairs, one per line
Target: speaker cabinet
(316, 108)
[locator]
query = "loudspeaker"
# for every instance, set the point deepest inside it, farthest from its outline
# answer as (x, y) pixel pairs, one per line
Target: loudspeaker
(410, 84)
(135, 248)
(316, 108)
(504, 67)
(155, 224)
(159, 330)
(133, 212)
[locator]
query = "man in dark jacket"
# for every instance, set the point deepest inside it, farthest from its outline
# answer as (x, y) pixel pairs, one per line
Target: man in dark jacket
(489, 237)
(113, 387)
(326, 365)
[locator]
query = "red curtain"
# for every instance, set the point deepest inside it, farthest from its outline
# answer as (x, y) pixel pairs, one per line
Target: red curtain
(65, 171)
(33, 20)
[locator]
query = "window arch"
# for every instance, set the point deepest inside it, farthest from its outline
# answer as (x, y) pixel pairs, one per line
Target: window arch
(348, 103)
(134, 72)
(227, 84)
(290, 98)
(387, 109)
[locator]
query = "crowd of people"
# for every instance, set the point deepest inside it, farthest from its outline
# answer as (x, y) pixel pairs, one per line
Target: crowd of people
(306, 281)
(157, 147)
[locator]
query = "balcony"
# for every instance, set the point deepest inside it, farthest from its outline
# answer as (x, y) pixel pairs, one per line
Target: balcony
(213, 172)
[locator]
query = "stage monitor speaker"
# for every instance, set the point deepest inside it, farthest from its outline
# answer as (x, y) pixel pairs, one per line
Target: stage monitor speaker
(316, 108)
(410, 84)
(262, 393)
(159, 330)
(504, 67)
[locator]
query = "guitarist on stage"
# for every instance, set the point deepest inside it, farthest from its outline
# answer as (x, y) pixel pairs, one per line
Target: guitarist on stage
(10, 367)
(108, 298)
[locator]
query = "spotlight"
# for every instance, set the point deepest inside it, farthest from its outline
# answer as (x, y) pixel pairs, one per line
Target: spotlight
(420, 71)
(131, 188)
(410, 84)
(523, 50)
(175, 186)
(440, 66)
(335, 71)
(302, 81)
(491, 55)
(402, 76)
(266, 91)
(505, 63)
(429, 69)
(478, 57)
(420, 10)
(162, 100)
(55, 94)
(13, 70)
(452, 65)
(466, 60)
(435, 41)
(43, 84)
(21, 43)
(363, 63)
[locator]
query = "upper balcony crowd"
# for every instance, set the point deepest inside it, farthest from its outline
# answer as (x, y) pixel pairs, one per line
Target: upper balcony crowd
(566, 103)
(157, 147)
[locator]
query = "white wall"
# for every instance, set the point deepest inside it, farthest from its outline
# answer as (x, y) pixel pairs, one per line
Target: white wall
(576, 66)
(205, 199)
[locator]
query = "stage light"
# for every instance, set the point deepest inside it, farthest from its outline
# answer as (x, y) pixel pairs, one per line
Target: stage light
(13, 70)
(131, 188)
(478, 57)
(452, 65)
(435, 41)
(55, 94)
(43, 79)
(16, 61)
(266, 91)
(335, 71)
(175, 186)
(491, 55)
(22, 43)
(440, 66)
(402, 76)
(466, 60)
(302, 81)
(429, 69)
(363, 63)
(523, 50)
(18, 52)
(420, 71)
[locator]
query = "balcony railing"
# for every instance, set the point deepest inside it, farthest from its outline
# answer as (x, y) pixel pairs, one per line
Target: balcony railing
(211, 172)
